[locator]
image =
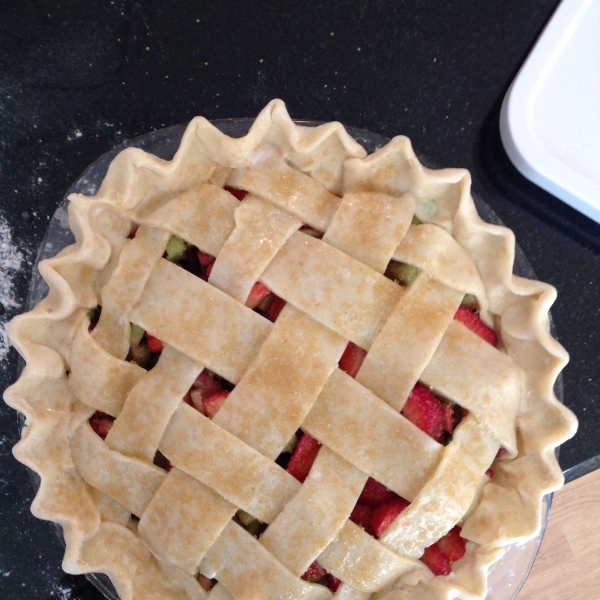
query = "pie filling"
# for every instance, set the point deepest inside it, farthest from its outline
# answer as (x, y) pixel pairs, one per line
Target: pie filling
(377, 507)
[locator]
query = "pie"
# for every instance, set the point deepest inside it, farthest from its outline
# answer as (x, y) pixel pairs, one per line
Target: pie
(278, 368)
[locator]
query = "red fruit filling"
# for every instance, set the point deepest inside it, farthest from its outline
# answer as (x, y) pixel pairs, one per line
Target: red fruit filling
(213, 403)
(154, 344)
(352, 359)
(205, 259)
(361, 515)
(427, 412)
(315, 571)
(239, 194)
(333, 583)
(489, 473)
(452, 545)
(275, 308)
(207, 384)
(385, 514)
(472, 321)
(101, 423)
(133, 231)
(375, 493)
(205, 582)
(257, 295)
(436, 561)
(303, 457)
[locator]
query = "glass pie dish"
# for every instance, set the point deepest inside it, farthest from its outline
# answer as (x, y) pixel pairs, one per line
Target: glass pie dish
(509, 574)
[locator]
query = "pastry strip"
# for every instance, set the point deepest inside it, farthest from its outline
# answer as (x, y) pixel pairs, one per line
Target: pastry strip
(317, 512)
(221, 461)
(260, 231)
(289, 189)
(200, 321)
(480, 378)
(183, 520)
(372, 436)
(334, 288)
(250, 572)
(408, 340)
(369, 226)
(270, 402)
(141, 424)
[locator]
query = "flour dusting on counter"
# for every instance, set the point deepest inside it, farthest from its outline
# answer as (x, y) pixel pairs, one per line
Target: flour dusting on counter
(11, 260)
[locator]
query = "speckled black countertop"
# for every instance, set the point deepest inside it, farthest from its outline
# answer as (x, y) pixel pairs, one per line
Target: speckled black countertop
(78, 78)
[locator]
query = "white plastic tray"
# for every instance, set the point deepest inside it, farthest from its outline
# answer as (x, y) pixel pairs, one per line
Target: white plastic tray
(550, 118)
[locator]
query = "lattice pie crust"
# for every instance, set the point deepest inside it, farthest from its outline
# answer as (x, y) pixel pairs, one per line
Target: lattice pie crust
(286, 373)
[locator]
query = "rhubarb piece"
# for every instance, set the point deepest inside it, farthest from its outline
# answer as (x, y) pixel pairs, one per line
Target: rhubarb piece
(361, 515)
(136, 333)
(94, 314)
(133, 231)
(304, 455)
(425, 411)
(196, 400)
(209, 270)
(140, 354)
(385, 514)
(490, 473)
(449, 419)
(213, 403)
(469, 301)
(401, 273)
(416, 221)
(352, 359)
(154, 344)
(239, 194)
(101, 423)
(175, 248)
(375, 493)
(472, 321)
(205, 582)
(333, 583)
(438, 564)
(275, 308)
(207, 384)
(500, 452)
(205, 259)
(314, 572)
(291, 445)
(245, 518)
(452, 545)
(257, 295)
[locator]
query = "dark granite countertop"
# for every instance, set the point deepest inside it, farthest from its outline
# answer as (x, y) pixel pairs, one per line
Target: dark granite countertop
(78, 78)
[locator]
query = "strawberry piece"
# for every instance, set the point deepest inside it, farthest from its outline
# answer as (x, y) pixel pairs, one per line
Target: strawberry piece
(489, 473)
(205, 582)
(424, 410)
(448, 417)
(352, 359)
(205, 259)
(276, 307)
(314, 571)
(375, 493)
(154, 344)
(438, 564)
(501, 451)
(303, 457)
(361, 515)
(207, 384)
(133, 231)
(239, 194)
(452, 545)
(212, 404)
(385, 514)
(333, 583)
(257, 294)
(472, 321)
(101, 423)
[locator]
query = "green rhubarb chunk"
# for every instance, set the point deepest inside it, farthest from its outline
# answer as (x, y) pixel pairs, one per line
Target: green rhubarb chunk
(140, 354)
(403, 273)
(175, 248)
(416, 221)
(319, 580)
(136, 333)
(291, 445)
(253, 528)
(470, 301)
(312, 232)
(245, 518)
